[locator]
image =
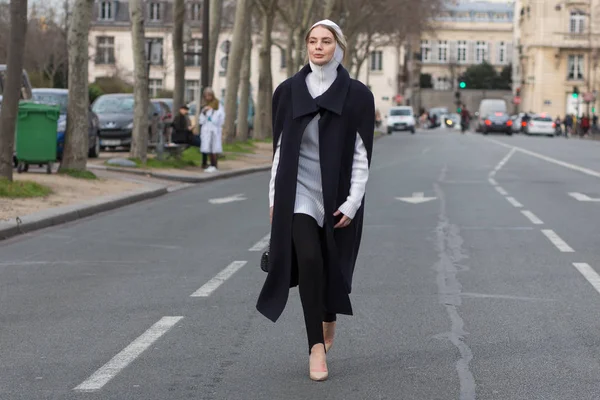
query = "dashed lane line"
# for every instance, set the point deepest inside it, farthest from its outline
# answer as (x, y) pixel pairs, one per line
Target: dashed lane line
(128, 355)
(532, 217)
(493, 182)
(501, 190)
(502, 163)
(261, 245)
(209, 287)
(557, 241)
(589, 274)
(514, 202)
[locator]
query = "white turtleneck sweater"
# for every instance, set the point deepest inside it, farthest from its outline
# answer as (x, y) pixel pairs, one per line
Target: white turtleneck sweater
(309, 189)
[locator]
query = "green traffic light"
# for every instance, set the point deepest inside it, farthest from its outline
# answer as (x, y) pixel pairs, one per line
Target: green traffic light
(463, 85)
(459, 110)
(575, 95)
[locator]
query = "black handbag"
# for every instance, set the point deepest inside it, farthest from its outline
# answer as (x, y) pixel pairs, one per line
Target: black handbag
(264, 260)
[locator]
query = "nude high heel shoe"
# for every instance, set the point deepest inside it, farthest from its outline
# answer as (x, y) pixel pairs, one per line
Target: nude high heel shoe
(328, 334)
(317, 364)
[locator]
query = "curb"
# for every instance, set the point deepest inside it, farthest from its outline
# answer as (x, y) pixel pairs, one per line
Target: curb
(61, 215)
(183, 178)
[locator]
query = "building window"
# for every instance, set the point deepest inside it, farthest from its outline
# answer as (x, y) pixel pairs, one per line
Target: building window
(105, 50)
(577, 22)
(425, 51)
(482, 16)
(377, 60)
(193, 58)
(500, 17)
(156, 51)
(155, 12)
(502, 53)
(461, 55)
(155, 86)
(443, 51)
(106, 11)
(575, 68)
(195, 12)
(481, 52)
(191, 90)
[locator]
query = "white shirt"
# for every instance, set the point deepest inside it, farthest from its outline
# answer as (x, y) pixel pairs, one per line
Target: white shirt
(309, 189)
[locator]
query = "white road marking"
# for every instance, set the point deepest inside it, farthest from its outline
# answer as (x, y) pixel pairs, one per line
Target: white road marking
(532, 217)
(501, 190)
(128, 355)
(417, 198)
(583, 197)
(557, 241)
(262, 244)
(209, 287)
(493, 181)
(514, 202)
(230, 199)
(589, 274)
(502, 163)
(574, 167)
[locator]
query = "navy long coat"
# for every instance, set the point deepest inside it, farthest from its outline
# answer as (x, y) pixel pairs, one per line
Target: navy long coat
(346, 108)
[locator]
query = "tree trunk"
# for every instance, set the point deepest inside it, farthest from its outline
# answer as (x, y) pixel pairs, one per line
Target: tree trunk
(12, 88)
(76, 138)
(139, 140)
(236, 55)
(329, 8)
(290, 63)
(300, 50)
(242, 125)
(178, 56)
(216, 13)
(262, 122)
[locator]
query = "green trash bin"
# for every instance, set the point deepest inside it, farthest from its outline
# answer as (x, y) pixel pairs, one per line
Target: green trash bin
(36, 135)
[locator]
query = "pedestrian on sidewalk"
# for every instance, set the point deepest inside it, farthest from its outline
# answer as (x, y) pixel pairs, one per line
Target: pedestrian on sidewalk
(182, 128)
(210, 103)
(323, 126)
(211, 120)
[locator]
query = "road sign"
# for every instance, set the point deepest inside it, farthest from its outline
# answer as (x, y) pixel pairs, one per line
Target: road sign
(398, 98)
(588, 96)
(517, 100)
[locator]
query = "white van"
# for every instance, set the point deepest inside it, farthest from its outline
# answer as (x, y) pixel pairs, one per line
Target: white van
(401, 118)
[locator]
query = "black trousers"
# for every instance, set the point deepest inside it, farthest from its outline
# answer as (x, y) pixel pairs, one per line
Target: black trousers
(307, 238)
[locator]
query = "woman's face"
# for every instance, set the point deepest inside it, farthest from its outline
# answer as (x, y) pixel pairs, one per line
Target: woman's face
(321, 45)
(209, 96)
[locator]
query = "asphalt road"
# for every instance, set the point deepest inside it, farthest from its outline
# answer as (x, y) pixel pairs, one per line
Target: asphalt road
(482, 285)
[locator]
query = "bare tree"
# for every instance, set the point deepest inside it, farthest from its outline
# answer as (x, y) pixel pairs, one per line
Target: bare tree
(262, 120)
(12, 89)
(242, 132)
(178, 56)
(216, 14)
(297, 17)
(139, 139)
(76, 139)
(236, 55)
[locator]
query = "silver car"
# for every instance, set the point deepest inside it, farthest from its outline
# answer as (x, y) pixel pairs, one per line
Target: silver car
(540, 124)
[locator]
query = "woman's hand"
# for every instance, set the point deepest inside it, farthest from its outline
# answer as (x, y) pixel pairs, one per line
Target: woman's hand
(344, 222)
(271, 215)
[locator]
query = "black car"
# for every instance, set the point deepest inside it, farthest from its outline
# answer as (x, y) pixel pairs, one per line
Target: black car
(115, 112)
(498, 122)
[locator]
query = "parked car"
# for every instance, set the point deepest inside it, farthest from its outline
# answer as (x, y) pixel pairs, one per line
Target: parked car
(60, 97)
(541, 124)
(488, 108)
(115, 113)
(165, 117)
(400, 118)
(451, 120)
(436, 114)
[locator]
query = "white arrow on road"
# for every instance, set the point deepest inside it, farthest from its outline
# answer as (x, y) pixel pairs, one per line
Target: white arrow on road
(583, 197)
(230, 199)
(417, 198)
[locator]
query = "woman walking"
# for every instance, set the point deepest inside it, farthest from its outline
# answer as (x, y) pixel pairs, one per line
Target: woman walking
(211, 121)
(323, 125)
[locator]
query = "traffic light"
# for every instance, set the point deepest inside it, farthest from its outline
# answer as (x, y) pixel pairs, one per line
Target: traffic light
(575, 92)
(593, 110)
(459, 110)
(462, 84)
